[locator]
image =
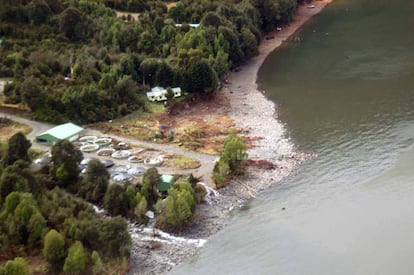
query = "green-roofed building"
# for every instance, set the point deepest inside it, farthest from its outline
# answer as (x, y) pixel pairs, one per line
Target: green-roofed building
(67, 131)
(166, 181)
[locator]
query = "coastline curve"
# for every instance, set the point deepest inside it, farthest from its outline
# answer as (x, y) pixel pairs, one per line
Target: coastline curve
(257, 116)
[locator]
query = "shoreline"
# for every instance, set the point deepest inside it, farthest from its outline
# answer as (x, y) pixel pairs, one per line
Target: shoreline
(252, 112)
(244, 95)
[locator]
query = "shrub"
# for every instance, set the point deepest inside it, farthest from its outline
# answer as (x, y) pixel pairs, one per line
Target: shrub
(54, 248)
(231, 160)
(141, 208)
(18, 266)
(76, 260)
(115, 200)
(178, 208)
(235, 152)
(17, 149)
(221, 172)
(95, 182)
(66, 158)
(115, 237)
(96, 263)
(200, 192)
(149, 186)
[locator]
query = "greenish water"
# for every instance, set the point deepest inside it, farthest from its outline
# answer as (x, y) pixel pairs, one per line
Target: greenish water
(345, 91)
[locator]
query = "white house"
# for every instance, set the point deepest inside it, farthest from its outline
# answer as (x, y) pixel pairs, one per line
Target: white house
(3, 83)
(176, 91)
(160, 94)
(191, 25)
(157, 94)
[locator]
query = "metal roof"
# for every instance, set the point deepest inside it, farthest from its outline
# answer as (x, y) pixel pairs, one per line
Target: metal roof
(62, 131)
(157, 91)
(167, 178)
(166, 181)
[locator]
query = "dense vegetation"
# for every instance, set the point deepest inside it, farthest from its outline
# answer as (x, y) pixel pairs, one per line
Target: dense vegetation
(48, 211)
(38, 216)
(231, 160)
(74, 59)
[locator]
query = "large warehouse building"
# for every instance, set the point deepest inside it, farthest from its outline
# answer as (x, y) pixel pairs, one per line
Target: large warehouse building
(67, 131)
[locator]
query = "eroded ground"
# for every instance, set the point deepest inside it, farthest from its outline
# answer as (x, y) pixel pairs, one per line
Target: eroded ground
(196, 124)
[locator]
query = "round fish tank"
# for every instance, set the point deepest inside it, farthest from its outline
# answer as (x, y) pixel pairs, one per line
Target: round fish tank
(89, 148)
(121, 154)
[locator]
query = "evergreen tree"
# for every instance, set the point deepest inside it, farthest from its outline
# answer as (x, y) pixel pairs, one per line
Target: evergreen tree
(95, 181)
(248, 43)
(66, 159)
(96, 263)
(231, 160)
(32, 93)
(114, 235)
(28, 221)
(200, 77)
(115, 200)
(235, 152)
(211, 19)
(164, 76)
(75, 262)
(38, 11)
(150, 186)
(54, 248)
(178, 208)
(68, 21)
(141, 208)
(17, 149)
(16, 267)
(10, 182)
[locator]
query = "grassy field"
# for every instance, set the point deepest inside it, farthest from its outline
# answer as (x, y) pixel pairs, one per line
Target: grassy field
(182, 162)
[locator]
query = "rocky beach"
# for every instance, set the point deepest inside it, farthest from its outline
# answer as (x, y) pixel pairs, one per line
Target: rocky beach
(154, 252)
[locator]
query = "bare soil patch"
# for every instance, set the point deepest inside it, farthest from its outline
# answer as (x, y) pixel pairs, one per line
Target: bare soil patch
(171, 5)
(126, 14)
(9, 127)
(196, 123)
(201, 124)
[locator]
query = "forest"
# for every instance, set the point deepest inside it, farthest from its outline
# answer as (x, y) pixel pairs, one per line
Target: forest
(78, 60)
(47, 212)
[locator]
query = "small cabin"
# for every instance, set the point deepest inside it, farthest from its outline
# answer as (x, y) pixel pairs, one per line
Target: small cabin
(191, 25)
(157, 94)
(161, 94)
(176, 91)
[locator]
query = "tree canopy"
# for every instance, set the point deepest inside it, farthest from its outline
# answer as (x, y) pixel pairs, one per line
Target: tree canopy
(78, 60)
(54, 248)
(231, 160)
(18, 147)
(65, 159)
(41, 215)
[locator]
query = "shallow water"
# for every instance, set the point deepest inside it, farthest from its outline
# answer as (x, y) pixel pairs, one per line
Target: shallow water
(345, 90)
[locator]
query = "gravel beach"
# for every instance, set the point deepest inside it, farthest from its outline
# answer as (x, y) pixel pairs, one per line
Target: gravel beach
(257, 118)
